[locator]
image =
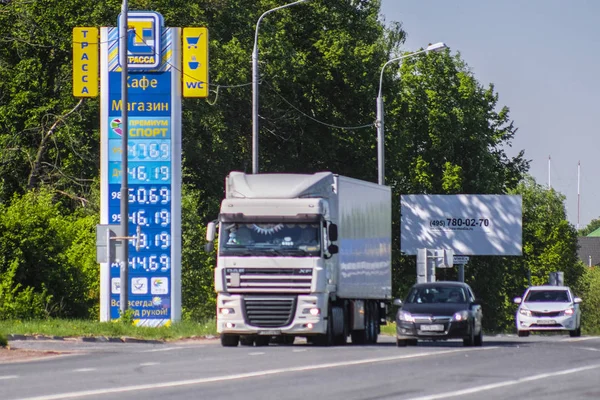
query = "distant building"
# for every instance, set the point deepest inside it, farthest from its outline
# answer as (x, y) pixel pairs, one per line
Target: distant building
(589, 248)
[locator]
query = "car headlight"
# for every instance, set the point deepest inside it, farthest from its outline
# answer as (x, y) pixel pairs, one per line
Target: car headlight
(405, 316)
(461, 316)
(568, 312)
(525, 312)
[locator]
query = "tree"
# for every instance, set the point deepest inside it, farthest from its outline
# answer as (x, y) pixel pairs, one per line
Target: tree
(591, 227)
(549, 245)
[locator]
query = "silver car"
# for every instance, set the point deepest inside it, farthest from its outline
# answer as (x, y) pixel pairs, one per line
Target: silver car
(548, 308)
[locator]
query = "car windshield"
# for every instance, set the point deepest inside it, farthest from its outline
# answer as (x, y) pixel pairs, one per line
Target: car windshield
(258, 239)
(436, 294)
(547, 296)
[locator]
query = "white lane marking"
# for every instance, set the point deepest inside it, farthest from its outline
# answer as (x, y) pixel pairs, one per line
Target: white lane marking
(8, 377)
(84, 370)
(511, 382)
(148, 364)
(581, 339)
(588, 348)
(257, 353)
(199, 381)
(165, 349)
(299, 351)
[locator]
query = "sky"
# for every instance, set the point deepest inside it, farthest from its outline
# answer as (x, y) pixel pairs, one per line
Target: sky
(543, 57)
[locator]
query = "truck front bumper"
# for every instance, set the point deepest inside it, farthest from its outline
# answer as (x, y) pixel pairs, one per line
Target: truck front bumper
(308, 317)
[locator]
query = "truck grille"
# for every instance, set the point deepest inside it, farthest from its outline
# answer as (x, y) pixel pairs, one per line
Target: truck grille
(268, 280)
(269, 311)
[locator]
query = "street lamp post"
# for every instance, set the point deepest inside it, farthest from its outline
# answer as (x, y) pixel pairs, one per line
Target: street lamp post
(379, 121)
(255, 86)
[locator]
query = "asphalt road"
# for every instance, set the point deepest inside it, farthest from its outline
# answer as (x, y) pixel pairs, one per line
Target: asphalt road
(537, 367)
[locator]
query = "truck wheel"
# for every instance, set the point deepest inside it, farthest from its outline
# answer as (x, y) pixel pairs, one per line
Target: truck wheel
(229, 340)
(326, 339)
(262, 341)
(247, 340)
(374, 322)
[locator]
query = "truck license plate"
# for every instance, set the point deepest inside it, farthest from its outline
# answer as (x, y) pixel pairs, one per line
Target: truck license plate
(271, 332)
(432, 328)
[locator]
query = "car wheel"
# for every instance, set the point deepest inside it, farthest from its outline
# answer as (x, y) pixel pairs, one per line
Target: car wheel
(575, 333)
(470, 340)
(523, 333)
(401, 342)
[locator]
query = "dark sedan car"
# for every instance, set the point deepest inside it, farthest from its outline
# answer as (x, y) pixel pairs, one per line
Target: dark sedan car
(439, 311)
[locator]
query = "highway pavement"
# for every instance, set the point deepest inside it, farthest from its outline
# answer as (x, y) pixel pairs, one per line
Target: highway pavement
(538, 367)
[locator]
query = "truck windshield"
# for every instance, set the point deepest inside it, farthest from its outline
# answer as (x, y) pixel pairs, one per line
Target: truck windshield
(256, 239)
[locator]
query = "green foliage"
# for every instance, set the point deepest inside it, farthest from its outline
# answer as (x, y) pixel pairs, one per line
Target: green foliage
(46, 259)
(591, 227)
(198, 295)
(588, 288)
(3, 341)
(127, 317)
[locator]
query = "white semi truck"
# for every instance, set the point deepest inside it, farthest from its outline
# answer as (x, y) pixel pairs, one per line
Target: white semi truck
(302, 256)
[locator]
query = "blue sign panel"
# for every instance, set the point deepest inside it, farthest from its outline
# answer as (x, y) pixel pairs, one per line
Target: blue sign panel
(149, 174)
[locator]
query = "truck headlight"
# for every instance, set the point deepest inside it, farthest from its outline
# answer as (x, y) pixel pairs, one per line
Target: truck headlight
(312, 311)
(525, 312)
(226, 311)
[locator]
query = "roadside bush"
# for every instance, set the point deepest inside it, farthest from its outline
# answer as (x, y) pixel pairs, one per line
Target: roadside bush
(3, 341)
(45, 259)
(589, 290)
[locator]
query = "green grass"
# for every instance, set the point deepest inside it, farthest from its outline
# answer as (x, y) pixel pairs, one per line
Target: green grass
(78, 328)
(389, 329)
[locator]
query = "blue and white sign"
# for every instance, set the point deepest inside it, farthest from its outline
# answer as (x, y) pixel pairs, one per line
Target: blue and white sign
(154, 168)
(144, 30)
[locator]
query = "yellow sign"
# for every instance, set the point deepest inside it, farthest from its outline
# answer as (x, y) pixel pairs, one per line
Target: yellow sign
(195, 62)
(85, 62)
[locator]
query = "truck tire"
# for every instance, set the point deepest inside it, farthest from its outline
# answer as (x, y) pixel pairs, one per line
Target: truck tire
(326, 339)
(371, 322)
(262, 341)
(247, 340)
(229, 340)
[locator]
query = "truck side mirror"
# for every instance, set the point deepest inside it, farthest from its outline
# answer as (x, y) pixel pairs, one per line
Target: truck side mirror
(333, 233)
(333, 249)
(210, 231)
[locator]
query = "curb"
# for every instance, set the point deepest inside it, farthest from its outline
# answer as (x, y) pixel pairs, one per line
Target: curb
(87, 339)
(101, 339)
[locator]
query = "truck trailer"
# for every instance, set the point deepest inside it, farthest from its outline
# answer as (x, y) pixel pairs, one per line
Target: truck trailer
(302, 255)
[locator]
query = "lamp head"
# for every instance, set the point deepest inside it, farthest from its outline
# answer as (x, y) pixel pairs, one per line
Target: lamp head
(436, 46)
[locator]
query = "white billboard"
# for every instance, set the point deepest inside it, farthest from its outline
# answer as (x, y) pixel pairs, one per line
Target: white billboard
(471, 225)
